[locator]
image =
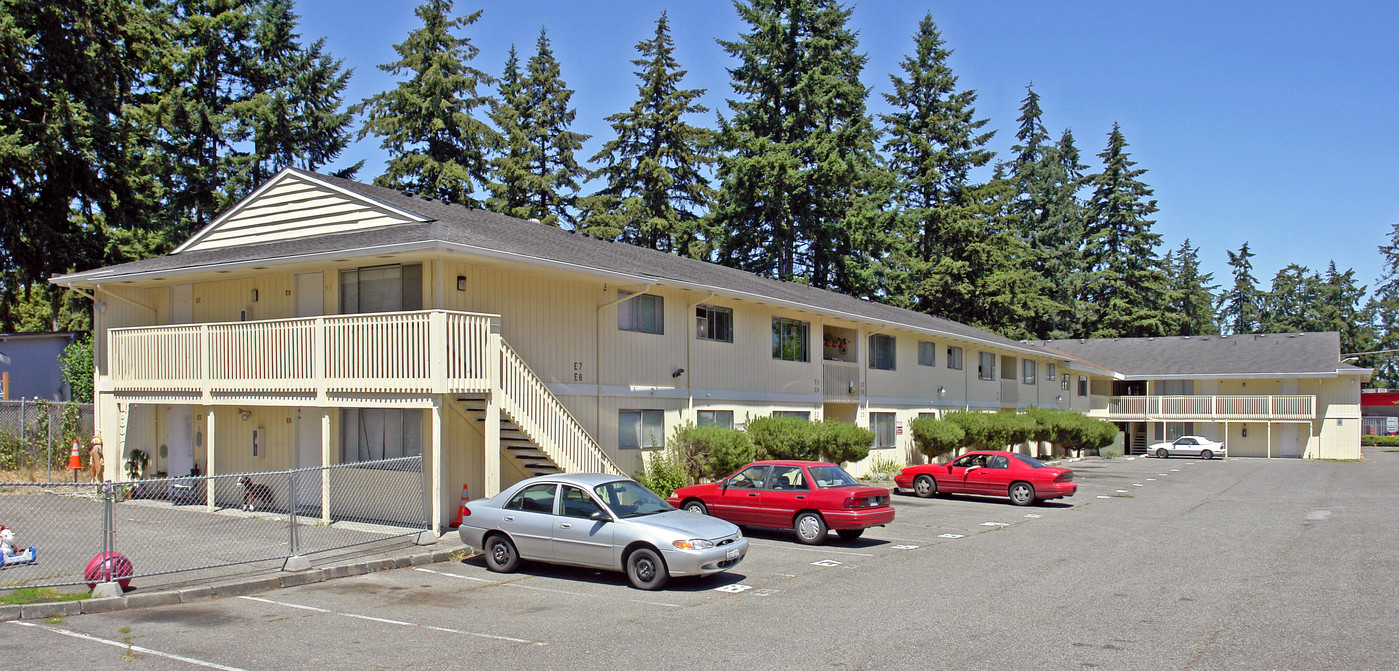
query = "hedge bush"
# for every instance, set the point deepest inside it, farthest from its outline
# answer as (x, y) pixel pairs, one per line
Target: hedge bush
(662, 473)
(840, 442)
(710, 452)
(783, 438)
(936, 437)
(1380, 441)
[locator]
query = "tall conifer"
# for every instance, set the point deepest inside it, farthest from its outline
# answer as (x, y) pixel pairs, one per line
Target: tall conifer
(655, 186)
(1239, 307)
(429, 122)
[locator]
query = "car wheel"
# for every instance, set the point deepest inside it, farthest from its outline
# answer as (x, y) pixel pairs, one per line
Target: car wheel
(810, 528)
(849, 534)
(1022, 493)
(1206, 454)
(501, 556)
(695, 507)
(925, 486)
(646, 570)
(1162, 453)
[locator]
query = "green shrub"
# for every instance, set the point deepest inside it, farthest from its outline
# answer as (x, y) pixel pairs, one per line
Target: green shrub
(976, 427)
(76, 365)
(936, 437)
(1079, 432)
(840, 442)
(711, 452)
(1380, 441)
(883, 469)
(662, 473)
(783, 438)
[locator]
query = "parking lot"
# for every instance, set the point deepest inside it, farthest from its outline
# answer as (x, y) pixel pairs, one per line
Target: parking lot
(1179, 563)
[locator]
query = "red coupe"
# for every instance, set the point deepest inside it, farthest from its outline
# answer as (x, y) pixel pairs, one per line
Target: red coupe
(808, 497)
(1023, 479)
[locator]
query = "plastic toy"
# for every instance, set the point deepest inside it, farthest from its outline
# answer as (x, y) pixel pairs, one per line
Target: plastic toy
(7, 550)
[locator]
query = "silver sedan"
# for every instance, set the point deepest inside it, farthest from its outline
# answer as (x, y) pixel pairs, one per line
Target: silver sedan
(599, 521)
(1188, 445)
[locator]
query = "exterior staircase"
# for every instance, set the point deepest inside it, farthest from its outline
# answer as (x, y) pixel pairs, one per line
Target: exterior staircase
(535, 428)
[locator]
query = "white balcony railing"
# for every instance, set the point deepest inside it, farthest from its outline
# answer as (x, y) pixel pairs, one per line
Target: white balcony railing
(432, 351)
(841, 381)
(1204, 408)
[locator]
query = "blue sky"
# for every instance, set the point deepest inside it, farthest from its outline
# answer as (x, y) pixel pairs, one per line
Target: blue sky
(1268, 122)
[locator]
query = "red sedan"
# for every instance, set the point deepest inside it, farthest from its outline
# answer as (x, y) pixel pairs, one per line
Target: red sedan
(1023, 479)
(808, 497)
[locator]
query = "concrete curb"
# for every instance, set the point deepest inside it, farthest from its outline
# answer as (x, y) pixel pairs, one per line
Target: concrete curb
(248, 587)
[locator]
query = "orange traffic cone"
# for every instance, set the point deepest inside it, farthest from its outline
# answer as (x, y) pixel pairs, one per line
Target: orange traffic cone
(456, 522)
(75, 462)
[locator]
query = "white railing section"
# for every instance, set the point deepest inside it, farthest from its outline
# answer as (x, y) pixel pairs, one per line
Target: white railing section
(432, 351)
(1210, 407)
(541, 416)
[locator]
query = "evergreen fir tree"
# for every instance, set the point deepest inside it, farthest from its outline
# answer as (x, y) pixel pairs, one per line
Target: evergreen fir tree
(1190, 296)
(552, 163)
(803, 191)
(1341, 310)
(437, 144)
(1383, 311)
(511, 179)
(1047, 213)
(1239, 307)
(1124, 282)
(1292, 304)
(654, 169)
(959, 256)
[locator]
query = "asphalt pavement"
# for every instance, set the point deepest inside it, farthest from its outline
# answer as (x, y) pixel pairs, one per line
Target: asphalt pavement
(1154, 564)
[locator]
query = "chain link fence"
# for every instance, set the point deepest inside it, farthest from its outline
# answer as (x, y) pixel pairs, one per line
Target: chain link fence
(36, 436)
(169, 525)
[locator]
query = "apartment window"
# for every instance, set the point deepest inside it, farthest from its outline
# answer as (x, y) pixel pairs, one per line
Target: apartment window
(1028, 372)
(927, 354)
(644, 313)
(803, 415)
(882, 424)
(954, 357)
(395, 288)
(789, 338)
(1051, 372)
(1064, 382)
(371, 434)
(1007, 367)
(927, 415)
(986, 366)
(638, 429)
(882, 352)
(1082, 385)
(724, 418)
(713, 323)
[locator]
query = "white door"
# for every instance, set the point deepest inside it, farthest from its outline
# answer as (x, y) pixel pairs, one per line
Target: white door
(182, 304)
(308, 455)
(310, 295)
(179, 439)
(1291, 441)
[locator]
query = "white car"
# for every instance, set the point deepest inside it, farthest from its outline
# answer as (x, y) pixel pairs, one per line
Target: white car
(1193, 446)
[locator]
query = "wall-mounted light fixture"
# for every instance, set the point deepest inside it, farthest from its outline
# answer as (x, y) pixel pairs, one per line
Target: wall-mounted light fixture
(461, 283)
(678, 372)
(1243, 430)
(1059, 398)
(244, 414)
(942, 392)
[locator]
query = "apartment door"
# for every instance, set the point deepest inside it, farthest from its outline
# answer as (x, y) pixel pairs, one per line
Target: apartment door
(310, 295)
(308, 455)
(182, 304)
(179, 439)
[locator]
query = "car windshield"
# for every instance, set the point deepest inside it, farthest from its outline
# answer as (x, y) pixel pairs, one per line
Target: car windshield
(1032, 463)
(826, 477)
(629, 499)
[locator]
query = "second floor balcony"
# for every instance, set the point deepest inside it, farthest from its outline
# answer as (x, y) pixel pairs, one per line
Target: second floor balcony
(1204, 408)
(424, 352)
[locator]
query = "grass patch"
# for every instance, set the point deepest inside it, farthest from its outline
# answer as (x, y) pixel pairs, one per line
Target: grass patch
(39, 595)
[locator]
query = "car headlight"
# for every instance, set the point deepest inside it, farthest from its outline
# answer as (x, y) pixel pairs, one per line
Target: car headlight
(738, 534)
(694, 544)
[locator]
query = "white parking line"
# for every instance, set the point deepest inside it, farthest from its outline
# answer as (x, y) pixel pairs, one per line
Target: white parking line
(1121, 491)
(1104, 497)
(590, 596)
(456, 575)
(127, 646)
(788, 547)
(381, 620)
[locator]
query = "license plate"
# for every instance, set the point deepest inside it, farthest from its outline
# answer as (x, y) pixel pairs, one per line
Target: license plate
(732, 554)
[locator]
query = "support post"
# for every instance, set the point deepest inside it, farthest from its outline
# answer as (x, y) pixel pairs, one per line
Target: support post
(209, 444)
(435, 486)
(325, 461)
(491, 448)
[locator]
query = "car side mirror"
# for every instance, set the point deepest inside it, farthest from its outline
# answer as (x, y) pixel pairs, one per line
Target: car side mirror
(600, 516)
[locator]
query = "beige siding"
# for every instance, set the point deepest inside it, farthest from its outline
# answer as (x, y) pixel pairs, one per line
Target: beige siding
(296, 207)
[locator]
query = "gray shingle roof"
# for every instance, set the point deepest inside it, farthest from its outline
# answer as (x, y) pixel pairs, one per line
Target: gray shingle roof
(462, 229)
(1275, 354)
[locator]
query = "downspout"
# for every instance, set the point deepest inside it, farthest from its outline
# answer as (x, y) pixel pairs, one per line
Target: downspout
(597, 353)
(689, 367)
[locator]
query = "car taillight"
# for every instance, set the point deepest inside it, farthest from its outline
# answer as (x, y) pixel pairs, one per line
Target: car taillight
(1066, 476)
(853, 502)
(465, 512)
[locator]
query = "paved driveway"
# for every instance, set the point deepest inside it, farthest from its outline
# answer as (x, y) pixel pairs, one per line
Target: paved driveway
(1178, 563)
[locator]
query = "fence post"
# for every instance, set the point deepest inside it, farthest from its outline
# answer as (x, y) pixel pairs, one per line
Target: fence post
(429, 536)
(108, 587)
(295, 561)
(22, 420)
